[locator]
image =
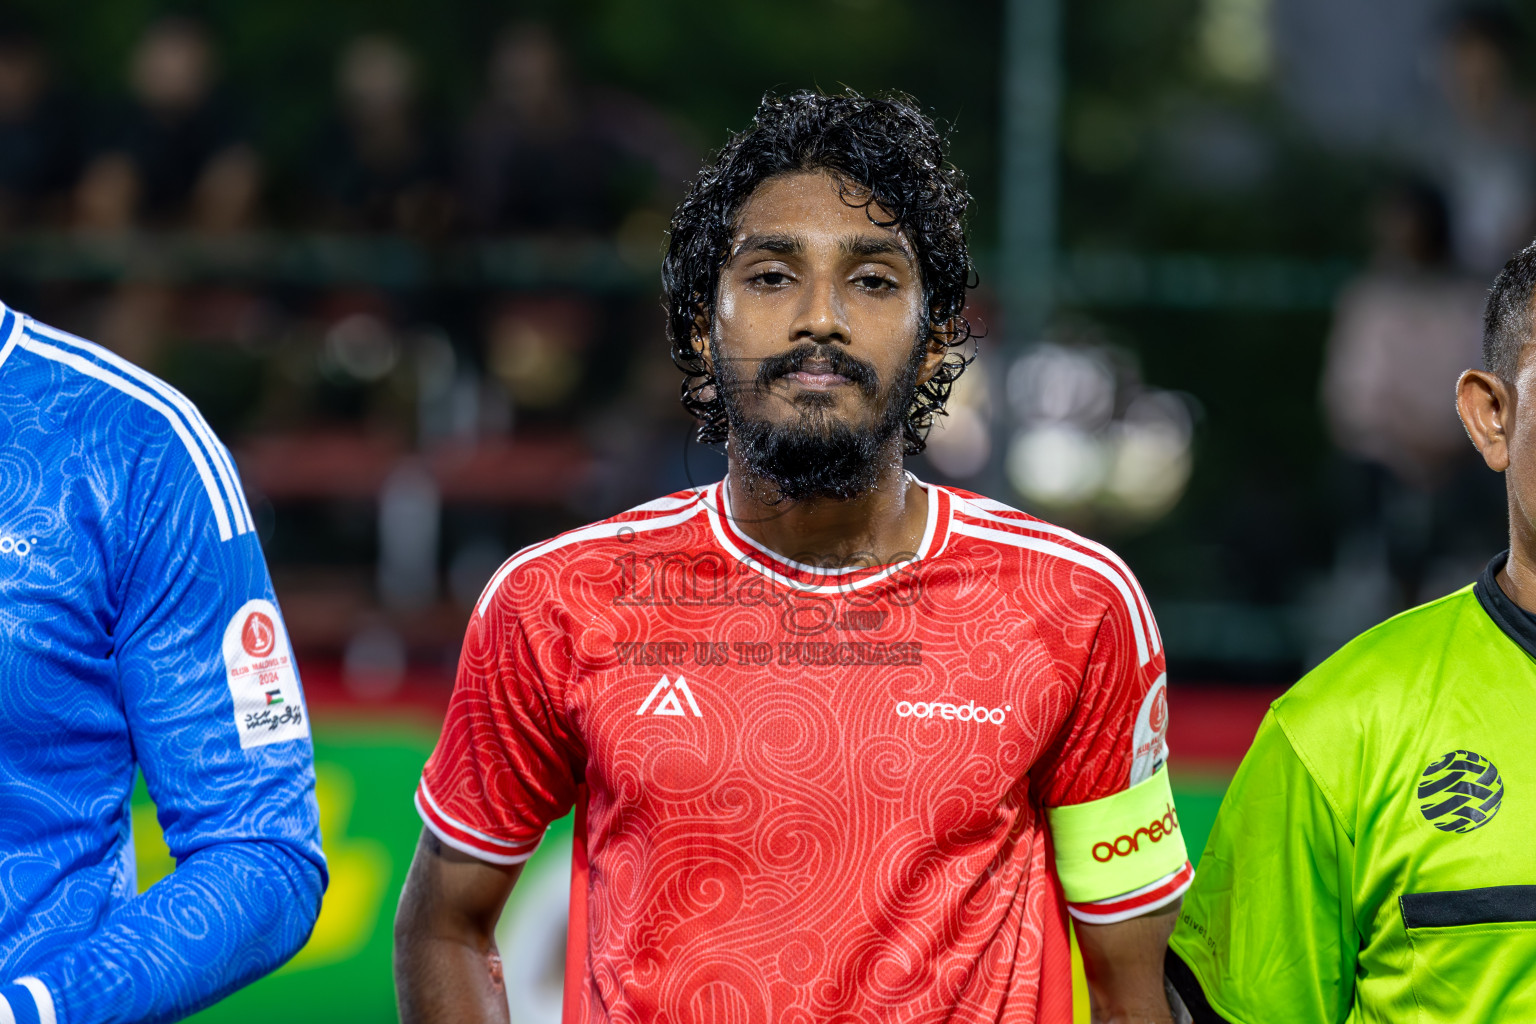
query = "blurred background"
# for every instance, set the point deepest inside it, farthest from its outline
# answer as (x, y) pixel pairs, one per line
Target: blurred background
(404, 254)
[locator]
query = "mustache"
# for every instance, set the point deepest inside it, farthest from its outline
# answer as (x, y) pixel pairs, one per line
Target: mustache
(827, 359)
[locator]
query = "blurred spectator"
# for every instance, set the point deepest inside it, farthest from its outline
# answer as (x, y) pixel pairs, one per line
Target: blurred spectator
(1402, 334)
(543, 154)
(175, 153)
(379, 166)
(1483, 151)
(37, 143)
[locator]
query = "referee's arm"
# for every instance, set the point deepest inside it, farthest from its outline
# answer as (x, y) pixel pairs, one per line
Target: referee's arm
(1267, 932)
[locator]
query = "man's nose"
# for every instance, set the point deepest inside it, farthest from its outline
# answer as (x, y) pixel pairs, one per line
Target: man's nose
(821, 316)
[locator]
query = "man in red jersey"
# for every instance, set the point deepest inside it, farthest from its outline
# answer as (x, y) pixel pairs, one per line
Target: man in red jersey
(842, 745)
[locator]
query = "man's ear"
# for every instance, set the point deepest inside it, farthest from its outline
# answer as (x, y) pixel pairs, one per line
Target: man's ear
(940, 338)
(1487, 405)
(699, 338)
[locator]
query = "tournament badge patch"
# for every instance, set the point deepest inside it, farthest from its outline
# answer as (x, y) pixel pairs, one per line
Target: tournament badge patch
(1150, 734)
(262, 678)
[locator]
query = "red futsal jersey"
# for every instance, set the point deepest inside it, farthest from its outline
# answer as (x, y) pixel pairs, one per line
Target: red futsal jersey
(807, 794)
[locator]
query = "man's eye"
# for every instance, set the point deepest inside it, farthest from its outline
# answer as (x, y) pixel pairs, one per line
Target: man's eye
(874, 282)
(771, 278)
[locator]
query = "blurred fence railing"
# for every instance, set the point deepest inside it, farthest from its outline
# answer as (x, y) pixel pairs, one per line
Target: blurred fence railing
(1089, 277)
(595, 265)
(1084, 277)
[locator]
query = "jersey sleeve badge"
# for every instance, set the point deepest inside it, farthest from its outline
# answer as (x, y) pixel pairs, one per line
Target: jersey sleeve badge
(263, 682)
(1150, 734)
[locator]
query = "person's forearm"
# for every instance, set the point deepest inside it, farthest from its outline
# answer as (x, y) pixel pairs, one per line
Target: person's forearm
(1124, 965)
(442, 980)
(227, 915)
(447, 969)
(1142, 1013)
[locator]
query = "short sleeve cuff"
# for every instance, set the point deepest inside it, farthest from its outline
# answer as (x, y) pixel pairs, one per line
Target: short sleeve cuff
(1137, 902)
(466, 839)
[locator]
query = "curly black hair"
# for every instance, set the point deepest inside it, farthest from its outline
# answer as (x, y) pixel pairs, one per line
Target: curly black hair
(885, 152)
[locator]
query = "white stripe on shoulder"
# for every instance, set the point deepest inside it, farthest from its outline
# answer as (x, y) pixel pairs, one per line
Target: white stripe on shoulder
(669, 502)
(7, 1015)
(42, 997)
(183, 405)
(95, 370)
(982, 508)
(1046, 547)
(597, 531)
(13, 335)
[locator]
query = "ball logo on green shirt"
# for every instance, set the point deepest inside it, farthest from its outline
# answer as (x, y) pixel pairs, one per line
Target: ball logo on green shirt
(1460, 791)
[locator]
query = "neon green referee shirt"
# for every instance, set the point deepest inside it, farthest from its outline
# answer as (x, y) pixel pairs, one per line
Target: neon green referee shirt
(1375, 856)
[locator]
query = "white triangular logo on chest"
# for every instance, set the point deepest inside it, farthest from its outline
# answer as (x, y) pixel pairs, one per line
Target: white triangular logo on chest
(669, 704)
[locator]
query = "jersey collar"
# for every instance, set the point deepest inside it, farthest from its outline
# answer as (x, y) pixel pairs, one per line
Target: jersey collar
(1517, 623)
(814, 579)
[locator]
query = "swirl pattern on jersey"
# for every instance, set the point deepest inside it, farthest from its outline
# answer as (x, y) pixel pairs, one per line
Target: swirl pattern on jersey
(799, 849)
(130, 551)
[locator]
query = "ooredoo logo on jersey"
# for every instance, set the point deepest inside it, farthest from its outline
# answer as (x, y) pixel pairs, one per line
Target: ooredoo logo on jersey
(1125, 845)
(967, 712)
(21, 546)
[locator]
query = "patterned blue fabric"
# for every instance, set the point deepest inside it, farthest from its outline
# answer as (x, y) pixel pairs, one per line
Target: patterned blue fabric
(138, 629)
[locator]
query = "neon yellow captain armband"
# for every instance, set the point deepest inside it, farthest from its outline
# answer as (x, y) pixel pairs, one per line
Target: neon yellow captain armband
(1108, 847)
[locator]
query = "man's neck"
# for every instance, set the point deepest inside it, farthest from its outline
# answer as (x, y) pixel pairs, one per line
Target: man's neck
(885, 524)
(1518, 577)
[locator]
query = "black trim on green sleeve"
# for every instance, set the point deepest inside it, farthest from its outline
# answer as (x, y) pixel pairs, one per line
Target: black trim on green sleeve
(1517, 623)
(1188, 987)
(1499, 904)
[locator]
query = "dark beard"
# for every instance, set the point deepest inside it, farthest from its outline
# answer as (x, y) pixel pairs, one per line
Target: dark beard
(815, 456)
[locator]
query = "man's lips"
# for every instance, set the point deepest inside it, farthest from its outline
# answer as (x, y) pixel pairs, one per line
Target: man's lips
(817, 380)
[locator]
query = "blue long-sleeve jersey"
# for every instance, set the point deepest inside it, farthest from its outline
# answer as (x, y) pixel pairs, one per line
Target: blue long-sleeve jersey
(138, 630)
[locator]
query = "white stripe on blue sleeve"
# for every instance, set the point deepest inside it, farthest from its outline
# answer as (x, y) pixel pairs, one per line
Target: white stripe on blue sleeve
(42, 997)
(26, 1001)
